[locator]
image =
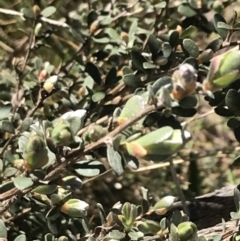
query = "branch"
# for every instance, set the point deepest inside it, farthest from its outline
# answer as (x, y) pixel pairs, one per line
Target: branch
(47, 20)
(14, 194)
(147, 110)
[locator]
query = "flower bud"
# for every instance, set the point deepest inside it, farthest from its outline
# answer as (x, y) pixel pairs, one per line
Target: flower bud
(61, 134)
(162, 142)
(183, 81)
(42, 75)
(186, 231)
(224, 70)
(50, 83)
(95, 132)
(35, 153)
(75, 208)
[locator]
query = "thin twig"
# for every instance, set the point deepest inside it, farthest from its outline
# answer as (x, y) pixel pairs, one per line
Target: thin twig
(21, 74)
(47, 20)
(197, 117)
(147, 110)
(157, 166)
(176, 181)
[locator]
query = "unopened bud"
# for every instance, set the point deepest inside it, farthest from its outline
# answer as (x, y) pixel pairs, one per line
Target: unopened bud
(183, 81)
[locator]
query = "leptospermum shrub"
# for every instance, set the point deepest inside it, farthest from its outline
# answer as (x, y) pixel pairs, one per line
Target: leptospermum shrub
(80, 76)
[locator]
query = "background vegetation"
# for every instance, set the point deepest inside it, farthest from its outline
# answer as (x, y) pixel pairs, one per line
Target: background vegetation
(82, 82)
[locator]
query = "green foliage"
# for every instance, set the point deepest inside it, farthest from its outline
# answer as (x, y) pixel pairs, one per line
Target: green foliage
(93, 86)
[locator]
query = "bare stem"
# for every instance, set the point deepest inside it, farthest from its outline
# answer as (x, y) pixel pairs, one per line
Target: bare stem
(176, 181)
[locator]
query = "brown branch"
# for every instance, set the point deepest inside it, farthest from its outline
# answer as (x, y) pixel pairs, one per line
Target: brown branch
(21, 73)
(10, 196)
(147, 110)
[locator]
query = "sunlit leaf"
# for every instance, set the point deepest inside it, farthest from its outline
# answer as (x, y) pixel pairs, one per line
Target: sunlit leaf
(22, 182)
(48, 11)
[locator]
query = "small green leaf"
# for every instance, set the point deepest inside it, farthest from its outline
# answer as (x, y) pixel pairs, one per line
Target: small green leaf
(71, 183)
(159, 83)
(167, 49)
(177, 217)
(1, 165)
(132, 107)
(75, 208)
(164, 204)
(111, 78)
(131, 80)
(88, 168)
(131, 33)
(223, 25)
(116, 235)
(22, 182)
(115, 160)
(174, 233)
(188, 32)
(10, 171)
(93, 71)
(94, 133)
(131, 161)
(233, 123)
(8, 126)
(138, 60)
(113, 34)
(149, 227)
(129, 212)
(134, 235)
(164, 223)
(191, 47)
(188, 102)
(74, 119)
(48, 11)
(28, 13)
(161, 5)
(76, 32)
(5, 111)
(215, 44)
(21, 237)
(186, 231)
(3, 230)
(133, 28)
(223, 32)
(237, 198)
(98, 96)
(232, 101)
(236, 132)
(222, 111)
(8, 156)
(205, 56)
(147, 65)
(185, 10)
(25, 125)
(174, 38)
(45, 189)
(178, 110)
(53, 214)
(154, 45)
(6, 186)
(161, 60)
(53, 227)
(104, 40)
(92, 16)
